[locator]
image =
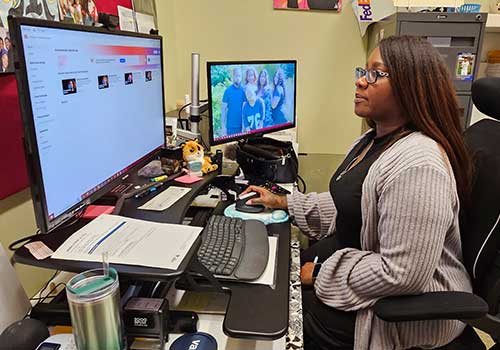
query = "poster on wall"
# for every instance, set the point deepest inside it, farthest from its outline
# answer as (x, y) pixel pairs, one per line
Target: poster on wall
(44, 9)
(329, 5)
(78, 11)
(370, 11)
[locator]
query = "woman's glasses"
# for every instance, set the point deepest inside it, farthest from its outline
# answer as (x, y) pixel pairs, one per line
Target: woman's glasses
(371, 75)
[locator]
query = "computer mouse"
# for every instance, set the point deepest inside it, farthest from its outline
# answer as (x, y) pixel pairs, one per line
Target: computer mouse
(247, 208)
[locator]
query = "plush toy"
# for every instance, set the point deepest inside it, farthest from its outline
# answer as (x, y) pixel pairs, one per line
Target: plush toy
(193, 153)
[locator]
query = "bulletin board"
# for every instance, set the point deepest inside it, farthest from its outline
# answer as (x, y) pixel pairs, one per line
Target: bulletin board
(13, 174)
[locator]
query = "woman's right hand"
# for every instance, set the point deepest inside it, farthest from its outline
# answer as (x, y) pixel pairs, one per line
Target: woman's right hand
(267, 198)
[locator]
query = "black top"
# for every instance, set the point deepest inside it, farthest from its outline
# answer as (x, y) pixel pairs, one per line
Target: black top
(346, 188)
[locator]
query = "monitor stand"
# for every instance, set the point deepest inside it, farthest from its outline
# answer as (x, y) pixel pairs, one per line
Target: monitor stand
(196, 108)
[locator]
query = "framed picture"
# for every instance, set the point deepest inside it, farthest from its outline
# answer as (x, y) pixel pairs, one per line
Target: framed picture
(326, 5)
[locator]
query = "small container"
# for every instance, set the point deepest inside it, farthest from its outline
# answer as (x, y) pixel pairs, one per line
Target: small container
(194, 167)
(94, 299)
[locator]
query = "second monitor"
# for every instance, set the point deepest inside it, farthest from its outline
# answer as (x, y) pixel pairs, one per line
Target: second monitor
(249, 98)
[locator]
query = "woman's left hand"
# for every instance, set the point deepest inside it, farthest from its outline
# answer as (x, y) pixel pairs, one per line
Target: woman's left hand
(306, 274)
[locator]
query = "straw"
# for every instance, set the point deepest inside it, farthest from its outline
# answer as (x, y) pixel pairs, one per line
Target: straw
(105, 263)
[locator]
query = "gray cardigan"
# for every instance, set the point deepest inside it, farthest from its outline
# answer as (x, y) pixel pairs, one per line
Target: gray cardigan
(410, 243)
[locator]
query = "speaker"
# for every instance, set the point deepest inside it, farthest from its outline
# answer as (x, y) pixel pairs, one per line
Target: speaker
(25, 334)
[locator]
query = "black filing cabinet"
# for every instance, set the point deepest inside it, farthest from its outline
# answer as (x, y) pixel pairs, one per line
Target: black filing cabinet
(455, 35)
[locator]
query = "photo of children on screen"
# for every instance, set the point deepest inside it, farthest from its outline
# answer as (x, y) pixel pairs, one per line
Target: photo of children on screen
(250, 98)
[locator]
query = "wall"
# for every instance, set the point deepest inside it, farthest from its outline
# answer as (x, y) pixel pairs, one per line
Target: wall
(17, 220)
(326, 45)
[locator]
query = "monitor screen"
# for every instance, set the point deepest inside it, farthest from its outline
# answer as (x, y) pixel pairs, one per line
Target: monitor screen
(249, 98)
(93, 109)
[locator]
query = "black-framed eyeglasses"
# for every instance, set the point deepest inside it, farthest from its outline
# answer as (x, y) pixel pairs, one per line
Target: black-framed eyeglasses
(371, 75)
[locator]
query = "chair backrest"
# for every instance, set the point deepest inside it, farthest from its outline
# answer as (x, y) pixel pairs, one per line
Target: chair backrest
(480, 225)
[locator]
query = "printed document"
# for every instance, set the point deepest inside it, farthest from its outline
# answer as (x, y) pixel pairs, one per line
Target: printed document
(144, 22)
(126, 18)
(166, 199)
(130, 241)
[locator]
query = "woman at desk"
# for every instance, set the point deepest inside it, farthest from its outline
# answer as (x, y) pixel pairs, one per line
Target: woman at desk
(389, 225)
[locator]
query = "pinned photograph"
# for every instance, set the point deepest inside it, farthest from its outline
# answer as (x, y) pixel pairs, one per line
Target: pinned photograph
(78, 11)
(465, 66)
(6, 56)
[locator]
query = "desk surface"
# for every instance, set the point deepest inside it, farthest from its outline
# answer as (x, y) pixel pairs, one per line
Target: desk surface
(254, 311)
(212, 323)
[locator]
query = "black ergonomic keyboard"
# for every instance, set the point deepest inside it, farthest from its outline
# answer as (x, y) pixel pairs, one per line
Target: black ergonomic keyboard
(234, 249)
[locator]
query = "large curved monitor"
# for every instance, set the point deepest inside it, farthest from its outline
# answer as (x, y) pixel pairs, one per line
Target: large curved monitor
(250, 98)
(92, 106)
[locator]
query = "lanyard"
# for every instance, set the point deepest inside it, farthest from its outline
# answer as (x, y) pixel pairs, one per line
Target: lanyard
(355, 161)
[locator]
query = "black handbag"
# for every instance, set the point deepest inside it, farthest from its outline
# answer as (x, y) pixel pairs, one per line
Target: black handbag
(264, 159)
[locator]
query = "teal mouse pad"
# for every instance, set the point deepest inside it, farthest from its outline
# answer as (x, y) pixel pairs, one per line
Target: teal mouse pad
(269, 216)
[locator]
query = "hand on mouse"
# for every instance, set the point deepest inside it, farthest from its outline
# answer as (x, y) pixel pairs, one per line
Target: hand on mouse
(267, 198)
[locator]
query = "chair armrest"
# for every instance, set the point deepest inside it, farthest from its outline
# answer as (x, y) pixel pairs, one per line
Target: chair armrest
(431, 306)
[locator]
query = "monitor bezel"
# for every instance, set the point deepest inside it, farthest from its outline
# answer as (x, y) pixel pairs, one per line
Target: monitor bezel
(214, 142)
(44, 223)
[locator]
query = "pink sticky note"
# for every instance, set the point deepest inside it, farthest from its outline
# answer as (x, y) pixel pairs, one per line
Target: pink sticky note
(94, 211)
(188, 179)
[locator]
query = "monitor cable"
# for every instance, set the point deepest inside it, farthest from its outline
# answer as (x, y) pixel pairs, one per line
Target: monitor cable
(14, 246)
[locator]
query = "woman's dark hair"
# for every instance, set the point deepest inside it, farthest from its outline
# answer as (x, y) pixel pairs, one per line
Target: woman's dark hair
(423, 88)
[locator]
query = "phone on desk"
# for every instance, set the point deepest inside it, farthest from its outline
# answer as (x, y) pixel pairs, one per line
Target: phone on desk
(58, 342)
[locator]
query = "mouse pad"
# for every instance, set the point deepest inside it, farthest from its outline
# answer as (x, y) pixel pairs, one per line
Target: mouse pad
(268, 216)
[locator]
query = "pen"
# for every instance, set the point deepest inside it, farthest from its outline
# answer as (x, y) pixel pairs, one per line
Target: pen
(149, 190)
(151, 187)
(315, 261)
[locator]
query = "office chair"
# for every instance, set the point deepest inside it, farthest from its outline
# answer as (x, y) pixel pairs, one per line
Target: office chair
(480, 233)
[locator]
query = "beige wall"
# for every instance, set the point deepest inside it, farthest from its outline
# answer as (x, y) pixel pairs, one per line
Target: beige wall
(326, 45)
(17, 220)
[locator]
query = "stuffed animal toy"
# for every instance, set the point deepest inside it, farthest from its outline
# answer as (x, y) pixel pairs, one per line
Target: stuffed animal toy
(193, 153)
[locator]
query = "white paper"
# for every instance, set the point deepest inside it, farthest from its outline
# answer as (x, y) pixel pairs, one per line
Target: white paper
(130, 241)
(268, 275)
(165, 199)
(144, 22)
(127, 21)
